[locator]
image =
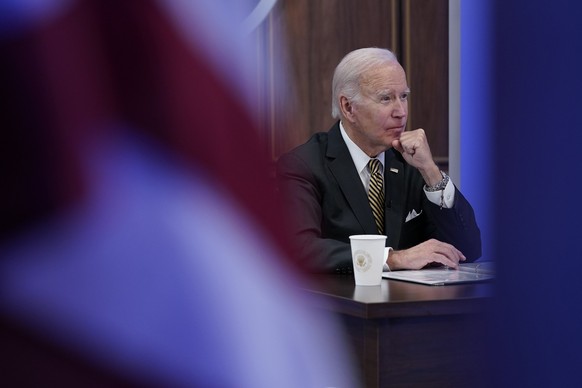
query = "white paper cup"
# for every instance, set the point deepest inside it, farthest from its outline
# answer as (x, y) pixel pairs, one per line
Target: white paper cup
(368, 258)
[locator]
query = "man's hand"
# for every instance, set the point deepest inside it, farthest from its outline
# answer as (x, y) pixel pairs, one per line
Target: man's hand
(415, 150)
(431, 251)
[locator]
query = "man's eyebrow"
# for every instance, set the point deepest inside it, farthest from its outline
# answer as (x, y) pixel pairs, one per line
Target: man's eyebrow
(384, 92)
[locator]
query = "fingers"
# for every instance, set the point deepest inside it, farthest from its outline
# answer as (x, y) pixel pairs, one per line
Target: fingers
(410, 149)
(447, 254)
(431, 251)
(446, 261)
(416, 137)
(450, 251)
(408, 143)
(413, 146)
(434, 251)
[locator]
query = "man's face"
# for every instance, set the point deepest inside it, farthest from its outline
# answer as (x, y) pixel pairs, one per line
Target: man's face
(379, 116)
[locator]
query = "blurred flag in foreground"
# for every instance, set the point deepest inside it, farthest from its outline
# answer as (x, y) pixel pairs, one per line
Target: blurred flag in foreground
(140, 242)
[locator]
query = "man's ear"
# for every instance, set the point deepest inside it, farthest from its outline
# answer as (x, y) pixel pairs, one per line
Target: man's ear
(347, 108)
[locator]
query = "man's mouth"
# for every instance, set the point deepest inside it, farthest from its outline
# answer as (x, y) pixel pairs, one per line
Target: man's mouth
(397, 129)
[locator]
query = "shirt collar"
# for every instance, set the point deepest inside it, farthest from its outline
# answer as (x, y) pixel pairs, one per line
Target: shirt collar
(358, 156)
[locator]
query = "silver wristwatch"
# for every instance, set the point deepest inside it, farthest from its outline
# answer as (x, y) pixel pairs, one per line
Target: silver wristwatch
(440, 185)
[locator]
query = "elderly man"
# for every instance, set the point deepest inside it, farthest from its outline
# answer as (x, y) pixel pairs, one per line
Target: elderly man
(367, 175)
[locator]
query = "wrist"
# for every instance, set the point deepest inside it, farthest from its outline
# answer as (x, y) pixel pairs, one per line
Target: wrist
(432, 175)
(393, 261)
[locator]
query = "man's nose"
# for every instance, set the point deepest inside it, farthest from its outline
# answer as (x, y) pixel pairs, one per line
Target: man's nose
(399, 110)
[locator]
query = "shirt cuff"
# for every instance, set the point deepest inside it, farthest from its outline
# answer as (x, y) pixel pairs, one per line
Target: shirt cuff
(448, 195)
(386, 254)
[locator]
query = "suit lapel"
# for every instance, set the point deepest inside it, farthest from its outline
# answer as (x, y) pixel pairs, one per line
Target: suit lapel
(343, 169)
(394, 187)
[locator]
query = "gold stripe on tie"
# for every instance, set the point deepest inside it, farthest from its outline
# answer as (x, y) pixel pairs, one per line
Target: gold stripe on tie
(376, 193)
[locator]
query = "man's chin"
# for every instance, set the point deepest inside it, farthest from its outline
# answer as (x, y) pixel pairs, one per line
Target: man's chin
(389, 140)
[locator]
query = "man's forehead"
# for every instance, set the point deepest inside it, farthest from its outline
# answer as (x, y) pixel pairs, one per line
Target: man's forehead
(388, 77)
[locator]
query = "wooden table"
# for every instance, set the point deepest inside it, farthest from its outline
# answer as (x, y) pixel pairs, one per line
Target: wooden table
(412, 335)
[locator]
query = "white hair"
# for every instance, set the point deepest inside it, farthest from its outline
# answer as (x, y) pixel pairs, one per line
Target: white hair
(347, 74)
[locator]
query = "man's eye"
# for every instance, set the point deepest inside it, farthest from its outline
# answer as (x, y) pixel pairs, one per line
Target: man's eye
(385, 98)
(404, 96)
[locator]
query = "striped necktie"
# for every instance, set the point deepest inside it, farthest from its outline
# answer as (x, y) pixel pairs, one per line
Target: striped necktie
(376, 193)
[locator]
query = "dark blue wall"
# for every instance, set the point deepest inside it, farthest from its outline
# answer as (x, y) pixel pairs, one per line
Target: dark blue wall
(537, 185)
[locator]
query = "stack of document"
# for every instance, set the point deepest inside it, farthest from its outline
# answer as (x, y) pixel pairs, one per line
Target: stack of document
(470, 272)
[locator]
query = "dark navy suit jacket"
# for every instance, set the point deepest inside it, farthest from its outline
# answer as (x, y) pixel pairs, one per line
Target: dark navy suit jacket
(319, 183)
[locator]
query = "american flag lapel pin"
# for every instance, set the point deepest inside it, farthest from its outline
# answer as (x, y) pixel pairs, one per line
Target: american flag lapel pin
(394, 170)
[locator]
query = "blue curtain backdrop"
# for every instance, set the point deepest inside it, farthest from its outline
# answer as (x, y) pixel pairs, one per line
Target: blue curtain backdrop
(476, 118)
(521, 138)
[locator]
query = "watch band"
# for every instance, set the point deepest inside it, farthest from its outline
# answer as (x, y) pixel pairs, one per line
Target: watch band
(440, 185)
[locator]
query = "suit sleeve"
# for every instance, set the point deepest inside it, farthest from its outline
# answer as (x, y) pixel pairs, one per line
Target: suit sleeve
(301, 193)
(457, 226)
